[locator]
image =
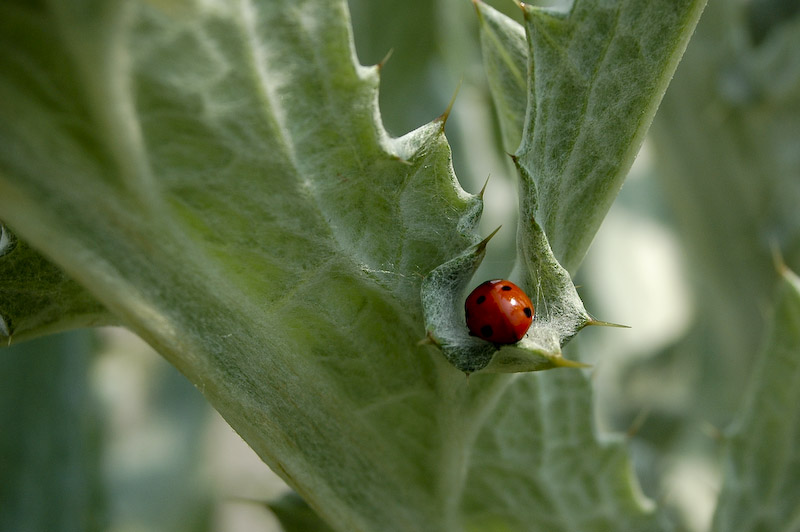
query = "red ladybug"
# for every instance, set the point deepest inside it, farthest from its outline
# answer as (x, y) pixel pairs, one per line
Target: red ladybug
(498, 311)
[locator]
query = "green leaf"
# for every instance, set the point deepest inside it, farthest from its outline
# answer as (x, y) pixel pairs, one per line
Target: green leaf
(216, 175)
(405, 39)
(728, 172)
(762, 463)
(581, 56)
(732, 183)
(569, 481)
(597, 75)
(505, 58)
(540, 349)
(36, 297)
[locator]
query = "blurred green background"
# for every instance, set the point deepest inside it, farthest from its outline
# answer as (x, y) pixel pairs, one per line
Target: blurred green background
(100, 433)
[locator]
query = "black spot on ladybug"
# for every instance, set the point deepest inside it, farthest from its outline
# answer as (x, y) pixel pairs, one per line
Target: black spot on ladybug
(505, 287)
(487, 331)
(527, 311)
(480, 299)
(466, 314)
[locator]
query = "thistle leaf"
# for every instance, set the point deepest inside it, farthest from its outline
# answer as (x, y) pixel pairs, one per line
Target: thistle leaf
(597, 74)
(216, 176)
(762, 463)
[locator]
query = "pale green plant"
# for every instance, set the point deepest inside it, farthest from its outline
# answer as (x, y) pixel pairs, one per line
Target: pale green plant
(215, 176)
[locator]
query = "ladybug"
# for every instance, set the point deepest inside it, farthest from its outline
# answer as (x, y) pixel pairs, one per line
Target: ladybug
(498, 311)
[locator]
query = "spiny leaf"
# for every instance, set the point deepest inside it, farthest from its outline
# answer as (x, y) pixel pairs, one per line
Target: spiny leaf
(442, 301)
(736, 167)
(570, 481)
(762, 464)
(505, 58)
(569, 95)
(596, 76)
(574, 59)
(217, 176)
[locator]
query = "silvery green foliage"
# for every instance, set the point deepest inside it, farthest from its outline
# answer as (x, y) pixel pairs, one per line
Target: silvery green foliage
(762, 461)
(215, 176)
(594, 81)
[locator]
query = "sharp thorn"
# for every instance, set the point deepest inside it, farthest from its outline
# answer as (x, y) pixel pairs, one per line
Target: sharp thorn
(483, 189)
(385, 59)
(482, 243)
(444, 116)
(601, 323)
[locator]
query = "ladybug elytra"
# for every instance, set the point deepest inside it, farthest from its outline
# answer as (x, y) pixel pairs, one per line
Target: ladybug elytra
(498, 311)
